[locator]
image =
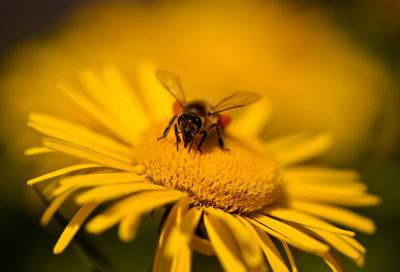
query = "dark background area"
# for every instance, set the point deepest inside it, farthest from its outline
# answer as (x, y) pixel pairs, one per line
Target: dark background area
(23, 19)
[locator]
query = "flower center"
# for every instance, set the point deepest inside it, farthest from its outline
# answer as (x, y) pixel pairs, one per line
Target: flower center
(238, 181)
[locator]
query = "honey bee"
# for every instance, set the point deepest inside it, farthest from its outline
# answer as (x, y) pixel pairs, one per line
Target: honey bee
(199, 117)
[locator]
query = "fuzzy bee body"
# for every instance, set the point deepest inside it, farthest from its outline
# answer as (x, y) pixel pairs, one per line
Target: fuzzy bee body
(199, 116)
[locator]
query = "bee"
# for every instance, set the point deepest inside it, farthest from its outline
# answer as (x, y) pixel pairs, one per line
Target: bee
(199, 117)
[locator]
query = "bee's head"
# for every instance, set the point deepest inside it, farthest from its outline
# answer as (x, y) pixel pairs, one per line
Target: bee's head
(188, 126)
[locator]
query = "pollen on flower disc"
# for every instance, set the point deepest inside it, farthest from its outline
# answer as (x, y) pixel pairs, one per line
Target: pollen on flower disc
(238, 181)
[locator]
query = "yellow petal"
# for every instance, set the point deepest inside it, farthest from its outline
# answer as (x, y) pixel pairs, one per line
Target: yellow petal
(109, 192)
(74, 225)
(284, 141)
(182, 260)
(37, 150)
(127, 104)
(354, 243)
(321, 174)
(161, 262)
(338, 243)
(324, 180)
(303, 150)
(290, 256)
(140, 203)
(224, 244)
(89, 180)
(177, 241)
(332, 263)
(337, 215)
(353, 199)
(103, 178)
(87, 154)
(271, 252)
(49, 189)
(182, 233)
(251, 122)
(287, 233)
(53, 207)
(353, 189)
(63, 171)
(251, 251)
(202, 246)
(116, 97)
(103, 117)
(128, 227)
(80, 135)
(157, 99)
(304, 219)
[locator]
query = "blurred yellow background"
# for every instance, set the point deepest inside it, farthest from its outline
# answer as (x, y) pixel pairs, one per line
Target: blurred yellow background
(324, 67)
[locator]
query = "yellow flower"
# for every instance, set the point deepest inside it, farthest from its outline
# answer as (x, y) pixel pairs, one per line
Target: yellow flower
(225, 203)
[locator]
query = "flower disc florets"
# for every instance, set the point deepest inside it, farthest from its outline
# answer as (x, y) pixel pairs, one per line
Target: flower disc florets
(237, 181)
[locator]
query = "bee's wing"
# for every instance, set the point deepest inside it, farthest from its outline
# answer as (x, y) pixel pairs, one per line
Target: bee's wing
(172, 83)
(236, 100)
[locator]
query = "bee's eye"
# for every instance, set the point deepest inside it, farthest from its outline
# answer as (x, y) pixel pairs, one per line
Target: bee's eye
(182, 117)
(198, 122)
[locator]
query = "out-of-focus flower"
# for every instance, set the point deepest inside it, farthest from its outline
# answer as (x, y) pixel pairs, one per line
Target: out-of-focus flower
(317, 79)
(218, 202)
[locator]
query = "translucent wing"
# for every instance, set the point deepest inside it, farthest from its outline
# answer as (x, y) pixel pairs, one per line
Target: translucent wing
(172, 83)
(236, 100)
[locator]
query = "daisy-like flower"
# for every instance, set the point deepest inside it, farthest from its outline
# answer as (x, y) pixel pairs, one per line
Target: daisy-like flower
(237, 205)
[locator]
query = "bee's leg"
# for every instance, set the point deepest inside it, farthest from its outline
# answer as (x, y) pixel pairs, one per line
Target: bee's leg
(166, 131)
(190, 147)
(220, 140)
(204, 132)
(178, 140)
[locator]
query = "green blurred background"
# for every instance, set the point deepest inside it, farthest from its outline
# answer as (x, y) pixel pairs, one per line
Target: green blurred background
(30, 46)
